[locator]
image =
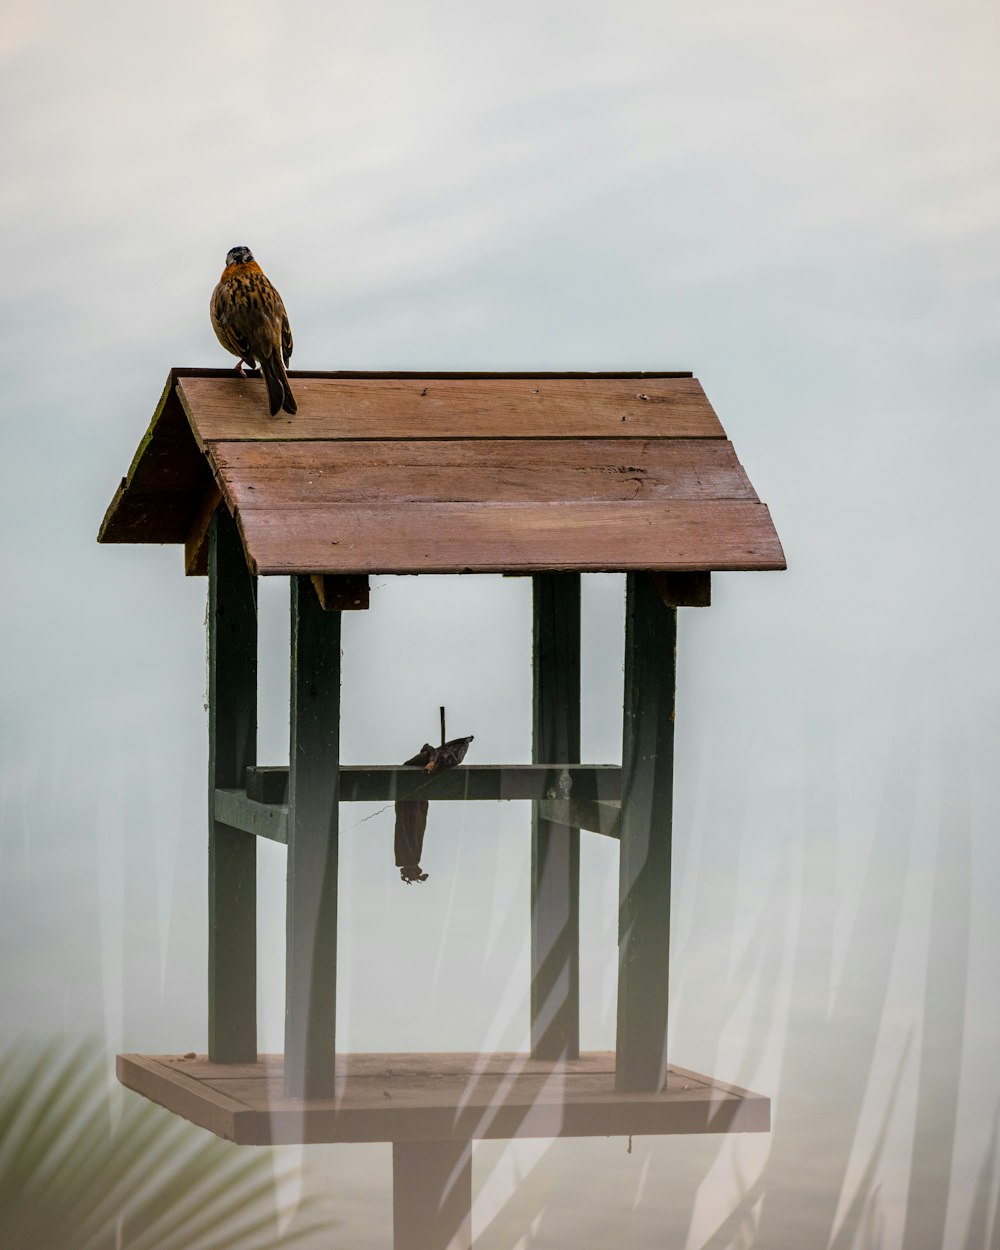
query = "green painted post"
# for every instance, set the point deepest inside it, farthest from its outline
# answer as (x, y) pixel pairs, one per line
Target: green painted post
(311, 885)
(232, 748)
(644, 851)
(555, 849)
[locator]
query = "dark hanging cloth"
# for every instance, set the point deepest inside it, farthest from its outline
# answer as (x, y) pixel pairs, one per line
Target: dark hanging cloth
(411, 814)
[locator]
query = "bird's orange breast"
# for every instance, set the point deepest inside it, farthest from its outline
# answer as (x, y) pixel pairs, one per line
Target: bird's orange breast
(241, 271)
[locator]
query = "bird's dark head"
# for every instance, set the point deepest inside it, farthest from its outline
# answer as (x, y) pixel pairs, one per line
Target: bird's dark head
(238, 256)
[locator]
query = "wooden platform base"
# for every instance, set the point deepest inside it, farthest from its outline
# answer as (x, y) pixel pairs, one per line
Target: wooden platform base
(439, 1097)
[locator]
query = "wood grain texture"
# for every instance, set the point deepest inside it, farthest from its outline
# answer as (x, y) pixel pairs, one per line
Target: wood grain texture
(449, 375)
(196, 543)
(498, 407)
(342, 594)
(192, 1099)
(684, 590)
(497, 538)
(368, 442)
(450, 1097)
(295, 474)
(158, 500)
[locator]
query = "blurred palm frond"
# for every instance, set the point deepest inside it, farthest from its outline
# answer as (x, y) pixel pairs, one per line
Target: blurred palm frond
(87, 1166)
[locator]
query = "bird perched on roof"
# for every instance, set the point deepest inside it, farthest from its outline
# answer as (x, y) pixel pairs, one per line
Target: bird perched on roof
(250, 321)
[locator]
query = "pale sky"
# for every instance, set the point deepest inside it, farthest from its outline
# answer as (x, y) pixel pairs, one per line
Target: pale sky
(799, 203)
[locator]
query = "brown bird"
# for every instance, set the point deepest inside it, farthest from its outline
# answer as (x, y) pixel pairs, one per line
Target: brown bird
(250, 321)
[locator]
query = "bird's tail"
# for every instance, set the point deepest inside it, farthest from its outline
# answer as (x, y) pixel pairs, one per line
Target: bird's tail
(279, 393)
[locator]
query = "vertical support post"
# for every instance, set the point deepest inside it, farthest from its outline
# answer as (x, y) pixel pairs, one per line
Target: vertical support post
(432, 1195)
(232, 747)
(311, 884)
(555, 849)
(646, 826)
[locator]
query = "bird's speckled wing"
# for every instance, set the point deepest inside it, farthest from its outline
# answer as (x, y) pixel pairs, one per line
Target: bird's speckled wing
(248, 315)
(250, 321)
(226, 321)
(286, 334)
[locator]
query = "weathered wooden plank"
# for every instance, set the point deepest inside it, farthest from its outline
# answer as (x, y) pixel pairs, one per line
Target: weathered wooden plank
(443, 441)
(353, 1069)
(311, 894)
(341, 594)
(196, 543)
(432, 1093)
(497, 407)
(378, 1065)
(159, 498)
(595, 816)
(685, 590)
(555, 849)
(232, 748)
(516, 1111)
(295, 474)
(368, 783)
(483, 1093)
(192, 1099)
(431, 1195)
(263, 820)
(458, 1098)
(448, 375)
(498, 538)
(645, 837)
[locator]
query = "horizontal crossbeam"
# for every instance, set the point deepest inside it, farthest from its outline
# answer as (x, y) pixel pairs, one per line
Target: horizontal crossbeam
(270, 820)
(375, 783)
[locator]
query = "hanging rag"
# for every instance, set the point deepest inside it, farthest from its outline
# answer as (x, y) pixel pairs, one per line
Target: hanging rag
(411, 814)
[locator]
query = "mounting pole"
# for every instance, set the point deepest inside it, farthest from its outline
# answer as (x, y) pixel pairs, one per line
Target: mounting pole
(432, 1195)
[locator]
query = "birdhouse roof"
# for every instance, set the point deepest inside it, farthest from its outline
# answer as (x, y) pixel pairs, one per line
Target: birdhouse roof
(447, 473)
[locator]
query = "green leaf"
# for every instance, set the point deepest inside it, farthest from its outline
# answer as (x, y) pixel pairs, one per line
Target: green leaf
(84, 1166)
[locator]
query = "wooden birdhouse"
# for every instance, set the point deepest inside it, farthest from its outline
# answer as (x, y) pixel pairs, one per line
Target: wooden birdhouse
(547, 475)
